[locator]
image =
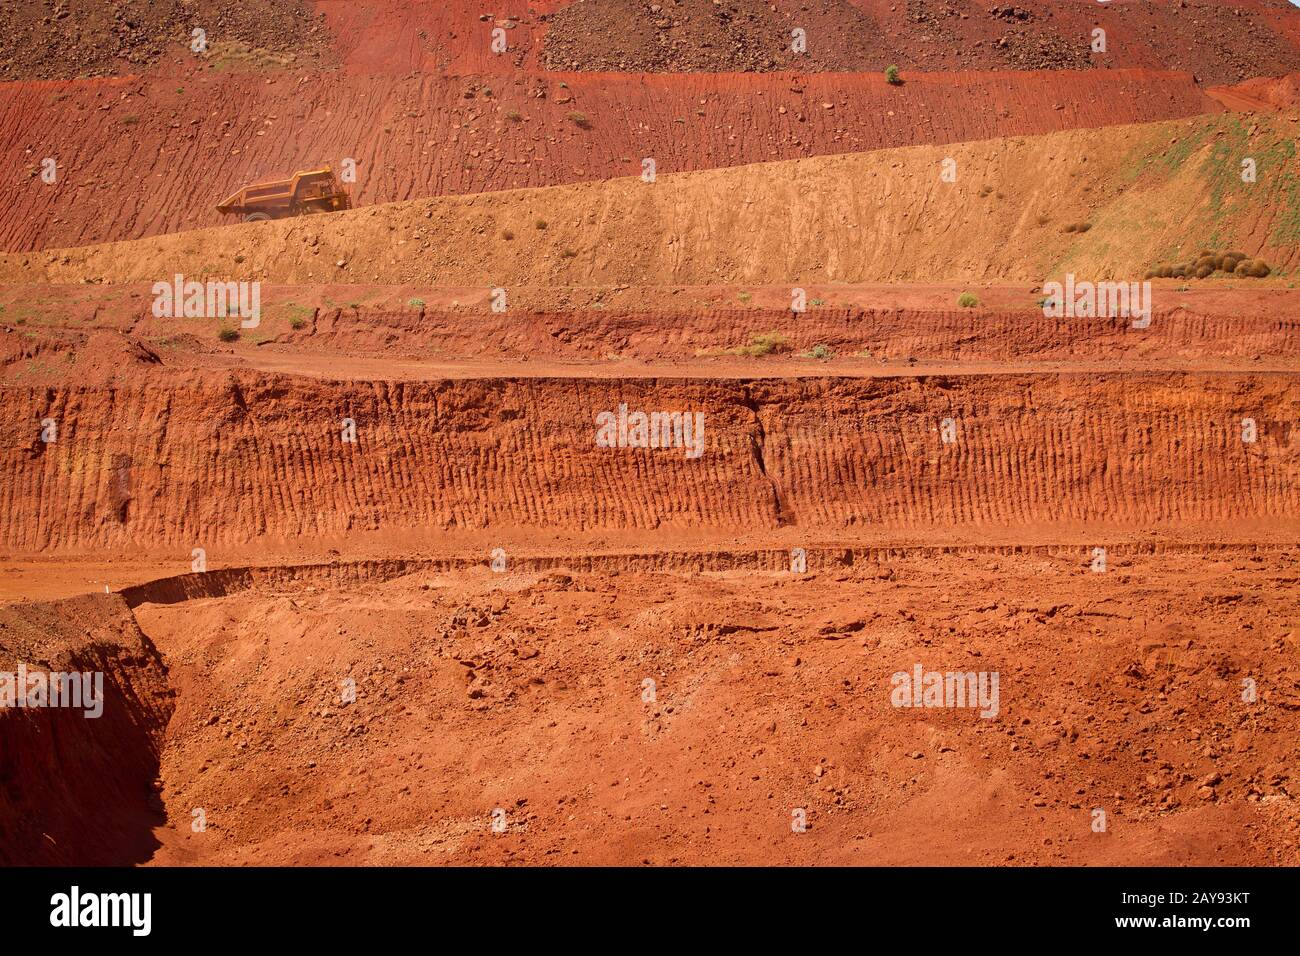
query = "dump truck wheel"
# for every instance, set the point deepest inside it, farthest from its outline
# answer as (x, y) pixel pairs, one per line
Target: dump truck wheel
(256, 217)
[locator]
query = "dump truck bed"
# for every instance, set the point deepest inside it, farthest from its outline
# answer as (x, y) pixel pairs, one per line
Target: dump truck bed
(280, 194)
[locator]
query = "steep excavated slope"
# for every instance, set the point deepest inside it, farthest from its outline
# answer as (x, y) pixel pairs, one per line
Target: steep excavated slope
(226, 459)
(79, 790)
(147, 156)
(1147, 193)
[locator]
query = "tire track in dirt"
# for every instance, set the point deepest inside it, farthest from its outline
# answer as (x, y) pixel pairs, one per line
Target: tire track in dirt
(1141, 449)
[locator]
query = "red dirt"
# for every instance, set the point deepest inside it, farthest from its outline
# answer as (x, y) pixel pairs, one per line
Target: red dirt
(614, 654)
(821, 453)
(524, 694)
(90, 335)
(1219, 42)
(139, 158)
(1263, 93)
(81, 38)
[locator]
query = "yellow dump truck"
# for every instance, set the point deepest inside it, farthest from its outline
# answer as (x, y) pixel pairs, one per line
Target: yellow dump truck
(307, 191)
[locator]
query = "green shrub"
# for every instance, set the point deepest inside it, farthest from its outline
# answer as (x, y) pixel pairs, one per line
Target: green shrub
(967, 301)
(891, 76)
(228, 334)
(764, 343)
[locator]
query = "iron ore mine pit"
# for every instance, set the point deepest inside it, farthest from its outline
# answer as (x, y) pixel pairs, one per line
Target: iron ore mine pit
(519, 506)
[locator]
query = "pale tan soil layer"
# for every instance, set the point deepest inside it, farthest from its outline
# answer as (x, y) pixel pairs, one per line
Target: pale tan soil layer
(523, 691)
(1144, 194)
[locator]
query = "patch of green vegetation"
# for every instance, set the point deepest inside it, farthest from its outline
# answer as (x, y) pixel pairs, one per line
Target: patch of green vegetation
(764, 343)
(819, 352)
(745, 297)
(296, 314)
(760, 344)
(415, 303)
(1282, 161)
(1224, 142)
(227, 333)
(967, 300)
(1147, 157)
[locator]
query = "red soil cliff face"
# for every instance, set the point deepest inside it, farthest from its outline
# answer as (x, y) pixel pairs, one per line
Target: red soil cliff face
(225, 460)
(77, 790)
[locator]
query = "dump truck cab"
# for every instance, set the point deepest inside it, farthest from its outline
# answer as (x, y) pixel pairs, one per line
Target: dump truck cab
(307, 191)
